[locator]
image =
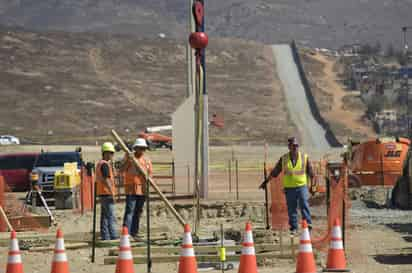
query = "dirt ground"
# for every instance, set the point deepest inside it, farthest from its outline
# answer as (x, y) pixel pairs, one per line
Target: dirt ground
(333, 99)
(378, 240)
(370, 248)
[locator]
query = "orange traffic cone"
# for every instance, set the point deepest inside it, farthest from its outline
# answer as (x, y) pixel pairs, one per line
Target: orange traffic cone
(336, 255)
(14, 263)
(187, 260)
(248, 258)
(60, 263)
(125, 260)
(306, 260)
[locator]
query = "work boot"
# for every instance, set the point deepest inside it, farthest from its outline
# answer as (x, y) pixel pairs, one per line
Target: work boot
(293, 231)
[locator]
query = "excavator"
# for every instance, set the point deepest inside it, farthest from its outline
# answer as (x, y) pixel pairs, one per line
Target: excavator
(383, 162)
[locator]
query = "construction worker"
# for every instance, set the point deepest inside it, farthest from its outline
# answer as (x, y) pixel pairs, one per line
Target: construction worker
(297, 171)
(135, 185)
(106, 190)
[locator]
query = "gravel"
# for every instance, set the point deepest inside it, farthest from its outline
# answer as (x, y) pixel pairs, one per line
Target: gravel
(361, 214)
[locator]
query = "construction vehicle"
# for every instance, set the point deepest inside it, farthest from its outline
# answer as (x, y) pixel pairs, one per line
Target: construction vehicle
(45, 167)
(155, 140)
(66, 186)
(376, 162)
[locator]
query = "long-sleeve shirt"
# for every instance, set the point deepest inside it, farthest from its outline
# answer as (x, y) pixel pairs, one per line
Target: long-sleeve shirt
(278, 168)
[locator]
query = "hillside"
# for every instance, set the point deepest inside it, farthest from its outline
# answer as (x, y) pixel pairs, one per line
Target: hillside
(67, 88)
(317, 23)
(343, 110)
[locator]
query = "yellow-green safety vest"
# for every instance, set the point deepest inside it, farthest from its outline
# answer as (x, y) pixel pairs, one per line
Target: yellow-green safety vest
(294, 176)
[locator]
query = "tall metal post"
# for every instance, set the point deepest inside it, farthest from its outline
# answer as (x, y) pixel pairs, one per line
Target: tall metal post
(205, 123)
(191, 66)
(149, 252)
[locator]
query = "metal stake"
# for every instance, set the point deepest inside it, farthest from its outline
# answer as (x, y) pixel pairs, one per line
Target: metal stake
(149, 258)
(94, 224)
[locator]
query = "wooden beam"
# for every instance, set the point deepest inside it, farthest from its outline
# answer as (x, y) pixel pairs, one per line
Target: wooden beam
(199, 258)
(6, 220)
(51, 247)
(199, 249)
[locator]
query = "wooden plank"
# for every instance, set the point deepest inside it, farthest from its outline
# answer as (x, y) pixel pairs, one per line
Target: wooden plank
(51, 247)
(32, 222)
(198, 249)
(199, 258)
(115, 243)
(69, 237)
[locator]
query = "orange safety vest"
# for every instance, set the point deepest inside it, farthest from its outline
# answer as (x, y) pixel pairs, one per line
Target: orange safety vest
(101, 187)
(134, 181)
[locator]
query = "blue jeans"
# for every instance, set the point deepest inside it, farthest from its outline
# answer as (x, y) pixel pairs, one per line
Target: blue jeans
(107, 218)
(134, 209)
(297, 197)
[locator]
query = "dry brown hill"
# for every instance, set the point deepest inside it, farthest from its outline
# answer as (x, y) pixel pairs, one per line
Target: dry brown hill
(67, 88)
(317, 23)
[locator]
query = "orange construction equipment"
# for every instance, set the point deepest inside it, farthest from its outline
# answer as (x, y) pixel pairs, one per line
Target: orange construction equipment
(376, 162)
(124, 262)
(60, 263)
(248, 258)
(187, 260)
(14, 263)
(336, 255)
(306, 260)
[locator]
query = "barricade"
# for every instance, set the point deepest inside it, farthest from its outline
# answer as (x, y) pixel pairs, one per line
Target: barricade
(279, 209)
(86, 190)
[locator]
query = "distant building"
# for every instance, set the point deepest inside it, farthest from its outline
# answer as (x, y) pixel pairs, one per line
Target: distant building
(350, 50)
(386, 115)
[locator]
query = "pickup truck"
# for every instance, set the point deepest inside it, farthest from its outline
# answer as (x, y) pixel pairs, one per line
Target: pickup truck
(45, 166)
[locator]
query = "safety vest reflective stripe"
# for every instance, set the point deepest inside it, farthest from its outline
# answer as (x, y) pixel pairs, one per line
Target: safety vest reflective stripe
(294, 176)
(288, 171)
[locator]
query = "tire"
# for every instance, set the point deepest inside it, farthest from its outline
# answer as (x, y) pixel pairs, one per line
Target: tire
(151, 145)
(354, 182)
(400, 196)
(230, 267)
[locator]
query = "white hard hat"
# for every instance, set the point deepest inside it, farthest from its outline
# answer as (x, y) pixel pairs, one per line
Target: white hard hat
(140, 142)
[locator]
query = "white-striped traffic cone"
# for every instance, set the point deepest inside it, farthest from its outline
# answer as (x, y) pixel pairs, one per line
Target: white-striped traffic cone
(14, 262)
(124, 262)
(306, 260)
(60, 263)
(248, 262)
(336, 254)
(187, 260)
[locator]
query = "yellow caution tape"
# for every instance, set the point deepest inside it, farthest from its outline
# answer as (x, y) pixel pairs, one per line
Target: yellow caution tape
(222, 254)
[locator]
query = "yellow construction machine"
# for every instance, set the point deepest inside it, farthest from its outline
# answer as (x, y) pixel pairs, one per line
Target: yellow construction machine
(66, 186)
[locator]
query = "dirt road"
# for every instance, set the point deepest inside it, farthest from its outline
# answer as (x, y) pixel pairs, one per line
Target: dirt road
(329, 83)
(312, 133)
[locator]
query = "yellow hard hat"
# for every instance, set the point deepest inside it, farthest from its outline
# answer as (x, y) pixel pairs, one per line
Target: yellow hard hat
(108, 147)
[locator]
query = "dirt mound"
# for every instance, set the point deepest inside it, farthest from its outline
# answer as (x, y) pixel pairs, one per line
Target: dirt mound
(73, 88)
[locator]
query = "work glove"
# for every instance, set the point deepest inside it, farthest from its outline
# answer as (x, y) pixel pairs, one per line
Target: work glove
(263, 185)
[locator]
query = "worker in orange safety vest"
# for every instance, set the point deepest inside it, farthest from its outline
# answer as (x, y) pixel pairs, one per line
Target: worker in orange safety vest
(106, 190)
(135, 185)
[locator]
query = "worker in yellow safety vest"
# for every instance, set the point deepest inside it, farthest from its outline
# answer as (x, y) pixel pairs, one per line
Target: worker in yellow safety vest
(297, 173)
(106, 190)
(135, 185)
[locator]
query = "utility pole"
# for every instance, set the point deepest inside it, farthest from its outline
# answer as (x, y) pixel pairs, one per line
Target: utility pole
(199, 41)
